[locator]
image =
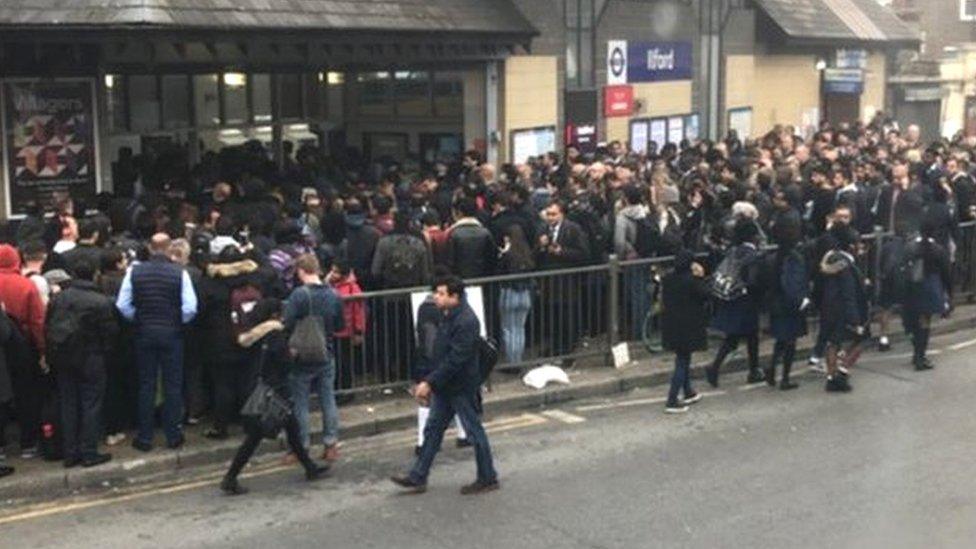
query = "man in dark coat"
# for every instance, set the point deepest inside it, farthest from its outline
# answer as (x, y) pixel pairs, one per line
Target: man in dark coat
(471, 251)
(80, 365)
(86, 250)
(562, 246)
(684, 316)
(452, 388)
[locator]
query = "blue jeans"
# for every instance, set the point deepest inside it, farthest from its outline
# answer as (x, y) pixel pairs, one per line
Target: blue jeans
(300, 380)
(442, 411)
(155, 353)
(680, 380)
(637, 279)
(514, 305)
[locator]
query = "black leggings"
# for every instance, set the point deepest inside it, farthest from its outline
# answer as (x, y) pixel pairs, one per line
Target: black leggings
(730, 343)
(253, 440)
(785, 350)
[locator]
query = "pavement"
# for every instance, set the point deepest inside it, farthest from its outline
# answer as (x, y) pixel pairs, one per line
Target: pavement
(888, 466)
(391, 412)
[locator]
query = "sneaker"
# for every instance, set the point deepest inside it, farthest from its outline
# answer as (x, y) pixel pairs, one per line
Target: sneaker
(818, 366)
(480, 487)
(786, 385)
(96, 460)
(711, 374)
(755, 376)
(463, 443)
(770, 375)
(141, 446)
(884, 344)
(114, 440)
(29, 453)
(318, 472)
(330, 453)
(922, 365)
(692, 399)
(6, 470)
(176, 444)
(675, 409)
(837, 384)
(412, 486)
(232, 487)
(814, 360)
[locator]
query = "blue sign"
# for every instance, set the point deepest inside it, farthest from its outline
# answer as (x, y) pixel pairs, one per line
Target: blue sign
(658, 61)
(849, 81)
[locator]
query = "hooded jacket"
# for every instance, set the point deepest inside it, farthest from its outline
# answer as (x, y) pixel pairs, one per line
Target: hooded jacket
(625, 230)
(844, 300)
(215, 310)
(359, 246)
(20, 297)
(353, 310)
(471, 249)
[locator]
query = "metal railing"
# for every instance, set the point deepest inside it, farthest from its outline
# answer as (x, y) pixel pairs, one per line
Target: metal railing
(560, 315)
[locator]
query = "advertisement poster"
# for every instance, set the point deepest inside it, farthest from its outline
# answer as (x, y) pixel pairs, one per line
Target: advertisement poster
(474, 296)
(659, 132)
(676, 129)
(639, 136)
(49, 141)
(532, 142)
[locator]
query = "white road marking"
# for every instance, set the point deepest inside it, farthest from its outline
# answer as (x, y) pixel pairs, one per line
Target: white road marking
(962, 344)
(636, 402)
(564, 417)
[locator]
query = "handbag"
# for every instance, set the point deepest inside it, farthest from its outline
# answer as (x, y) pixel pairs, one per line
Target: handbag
(266, 410)
(307, 341)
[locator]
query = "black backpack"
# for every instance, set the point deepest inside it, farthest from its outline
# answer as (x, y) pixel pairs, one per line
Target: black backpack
(402, 267)
(64, 340)
(729, 282)
(646, 243)
(910, 273)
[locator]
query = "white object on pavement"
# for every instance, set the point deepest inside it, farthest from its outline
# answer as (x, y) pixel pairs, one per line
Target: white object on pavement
(538, 378)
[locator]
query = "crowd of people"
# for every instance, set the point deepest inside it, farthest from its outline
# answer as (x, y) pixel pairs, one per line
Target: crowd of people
(198, 278)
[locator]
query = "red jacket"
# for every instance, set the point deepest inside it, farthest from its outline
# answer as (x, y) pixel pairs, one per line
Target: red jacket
(354, 310)
(20, 297)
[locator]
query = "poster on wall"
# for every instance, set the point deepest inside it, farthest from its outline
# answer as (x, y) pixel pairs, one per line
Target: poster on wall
(740, 120)
(676, 129)
(638, 136)
(49, 141)
(659, 132)
(691, 127)
(473, 294)
(532, 142)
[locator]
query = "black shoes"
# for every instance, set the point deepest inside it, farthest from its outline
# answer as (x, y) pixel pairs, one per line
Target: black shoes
(6, 470)
(216, 434)
(316, 473)
(142, 446)
(479, 487)
(688, 400)
(770, 375)
(411, 486)
(755, 376)
(463, 443)
(838, 384)
(72, 462)
(923, 364)
(786, 385)
(711, 375)
(96, 460)
(883, 344)
(232, 488)
(176, 444)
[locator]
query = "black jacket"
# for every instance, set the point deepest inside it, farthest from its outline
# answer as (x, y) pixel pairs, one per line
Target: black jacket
(574, 244)
(269, 343)
(471, 250)
(83, 252)
(455, 357)
(684, 315)
(845, 301)
(98, 321)
(214, 318)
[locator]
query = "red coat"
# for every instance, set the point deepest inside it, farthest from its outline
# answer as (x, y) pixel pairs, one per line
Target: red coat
(20, 297)
(354, 310)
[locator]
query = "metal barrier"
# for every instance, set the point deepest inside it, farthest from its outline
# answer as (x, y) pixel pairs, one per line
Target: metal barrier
(561, 315)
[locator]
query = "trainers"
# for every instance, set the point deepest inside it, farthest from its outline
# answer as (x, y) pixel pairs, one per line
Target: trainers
(412, 486)
(675, 409)
(479, 487)
(837, 384)
(711, 374)
(176, 444)
(755, 376)
(232, 487)
(692, 399)
(6, 470)
(316, 473)
(884, 344)
(331, 453)
(115, 439)
(29, 453)
(922, 365)
(814, 360)
(463, 443)
(141, 446)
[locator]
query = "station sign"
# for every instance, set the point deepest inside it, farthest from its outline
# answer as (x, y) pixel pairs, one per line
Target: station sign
(844, 81)
(636, 62)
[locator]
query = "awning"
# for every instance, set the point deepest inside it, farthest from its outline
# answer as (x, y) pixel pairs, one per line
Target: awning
(456, 16)
(840, 22)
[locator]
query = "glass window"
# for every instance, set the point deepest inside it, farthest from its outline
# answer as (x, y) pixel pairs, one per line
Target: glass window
(291, 96)
(115, 93)
(143, 104)
(317, 95)
(206, 100)
(176, 101)
(448, 93)
(374, 93)
(261, 98)
(412, 92)
(235, 98)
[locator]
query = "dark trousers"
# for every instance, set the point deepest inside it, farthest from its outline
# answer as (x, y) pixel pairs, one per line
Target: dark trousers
(730, 343)
(233, 383)
(917, 326)
(194, 386)
(442, 411)
(26, 378)
(349, 363)
(160, 353)
(820, 347)
(120, 389)
(82, 389)
(681, 378)
(253, 440)
(786, 350)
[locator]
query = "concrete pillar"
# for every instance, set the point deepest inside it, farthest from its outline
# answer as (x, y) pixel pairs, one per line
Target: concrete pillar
(492, 130)
(475, 119)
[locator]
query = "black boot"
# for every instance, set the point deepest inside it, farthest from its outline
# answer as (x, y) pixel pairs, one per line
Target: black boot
(231, 487)
(755, 376)
(785, 384)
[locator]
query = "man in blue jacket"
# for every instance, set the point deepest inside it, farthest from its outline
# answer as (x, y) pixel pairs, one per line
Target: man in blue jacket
(452, 388)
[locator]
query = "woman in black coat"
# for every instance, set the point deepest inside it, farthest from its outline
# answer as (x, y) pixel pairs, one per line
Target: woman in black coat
(926, 293)
(272, 360)
(788, 287)
(684, 297)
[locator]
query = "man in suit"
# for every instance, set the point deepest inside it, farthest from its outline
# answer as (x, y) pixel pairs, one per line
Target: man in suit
(450, 389)
(562, 246)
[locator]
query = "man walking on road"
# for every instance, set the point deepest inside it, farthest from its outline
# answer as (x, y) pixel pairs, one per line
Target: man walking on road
(158, 296)
(452, 388)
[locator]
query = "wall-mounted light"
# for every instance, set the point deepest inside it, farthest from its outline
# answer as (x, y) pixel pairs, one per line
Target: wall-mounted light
(821, 64)
(336, 78)
(235, 79)
(109, 81)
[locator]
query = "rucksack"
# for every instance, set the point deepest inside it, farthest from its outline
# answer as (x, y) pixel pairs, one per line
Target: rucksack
(487, 356)
(402, 267)
(242, 302)
(910, 273)
(729, 283)
(64, 340)
(647, 237)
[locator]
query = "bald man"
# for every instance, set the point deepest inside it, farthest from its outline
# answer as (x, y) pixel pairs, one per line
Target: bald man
(157, 295)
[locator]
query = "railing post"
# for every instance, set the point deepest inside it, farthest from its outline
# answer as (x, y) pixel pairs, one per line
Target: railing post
(613, 305)
(877, 274)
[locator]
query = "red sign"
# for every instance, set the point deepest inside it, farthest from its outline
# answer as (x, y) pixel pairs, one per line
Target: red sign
(618, 100)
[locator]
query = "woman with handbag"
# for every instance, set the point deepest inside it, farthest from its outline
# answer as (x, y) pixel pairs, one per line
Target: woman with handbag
(268, 410)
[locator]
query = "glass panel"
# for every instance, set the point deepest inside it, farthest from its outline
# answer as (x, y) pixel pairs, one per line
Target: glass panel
(176, 102)
(235, 98)
(316, 95)
(206, 100)
(448, 93)
(412, 92)
(261, 98)
(115, 93)
(143, 104)
(374, 93)
(291, 96)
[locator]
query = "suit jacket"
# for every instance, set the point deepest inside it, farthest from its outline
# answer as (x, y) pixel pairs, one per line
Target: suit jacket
(575, 248)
